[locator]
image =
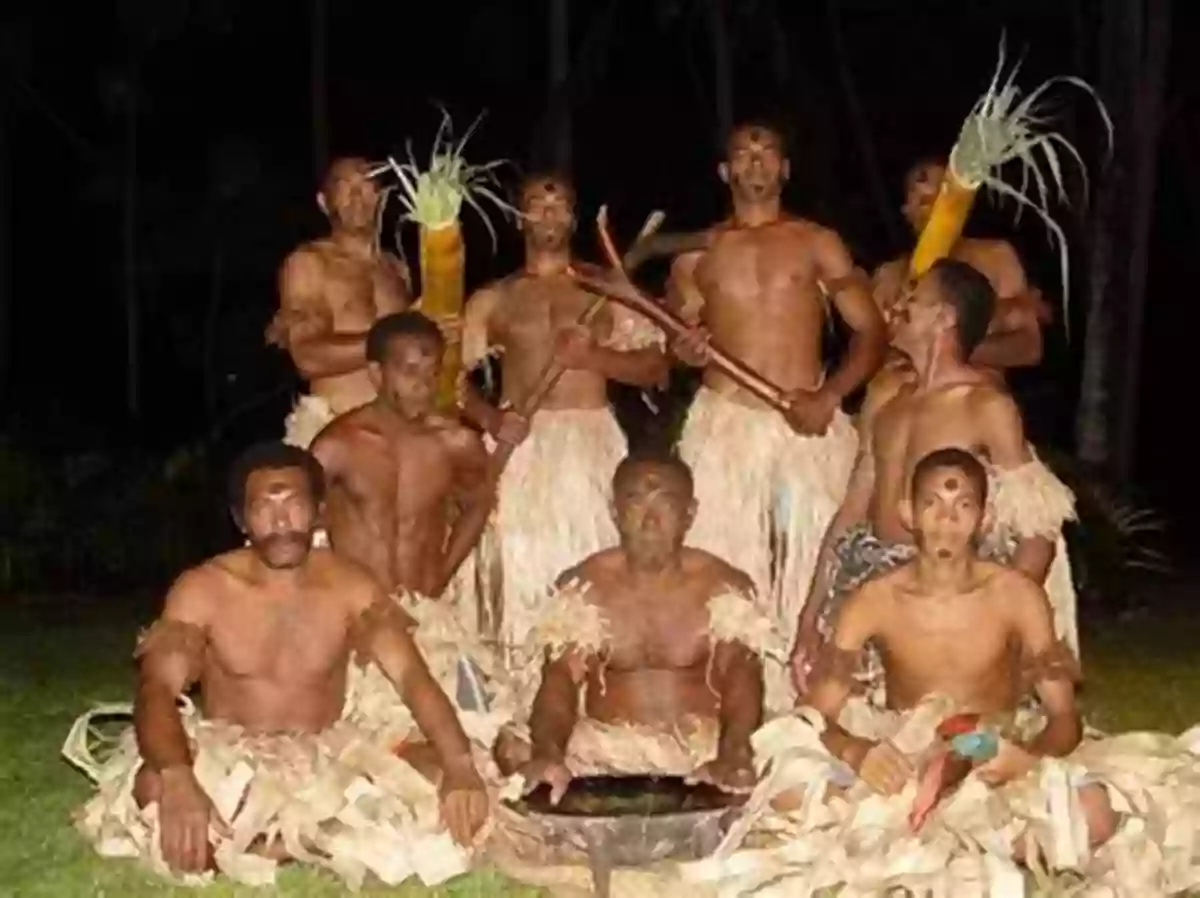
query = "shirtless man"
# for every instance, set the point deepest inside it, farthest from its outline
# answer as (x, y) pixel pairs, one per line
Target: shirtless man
(951, 404)
(408, 488)
(660, 674)
(267, 631)
(1014, 338)
(553, 502)
(949, 623)
(761, 291)
(331, 291)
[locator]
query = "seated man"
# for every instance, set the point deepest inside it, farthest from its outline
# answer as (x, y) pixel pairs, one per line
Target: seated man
(664, 643)
(961, 635)
(265, 767)
(952, 404)
(409, 497)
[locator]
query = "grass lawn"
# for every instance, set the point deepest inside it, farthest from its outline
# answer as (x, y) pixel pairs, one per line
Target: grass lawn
(56, 660)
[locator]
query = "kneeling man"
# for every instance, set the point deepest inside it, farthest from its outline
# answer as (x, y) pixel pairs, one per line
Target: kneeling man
(266, 767)
(664, 643)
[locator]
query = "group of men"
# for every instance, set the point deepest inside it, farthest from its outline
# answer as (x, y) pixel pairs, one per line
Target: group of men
(665, 603)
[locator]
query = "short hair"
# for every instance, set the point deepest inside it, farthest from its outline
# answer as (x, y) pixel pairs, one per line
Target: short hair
(971, 295)
(272, 456)
(924, 162)
(399, 324)
(761, 123)
(958, 459)
(340, 169)
(542, 177)
(663, 458)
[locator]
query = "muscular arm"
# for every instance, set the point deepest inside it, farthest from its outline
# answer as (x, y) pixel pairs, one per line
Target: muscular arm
(1050, 668)
(384, 633)
(556, 706)
(474, 493)
(739, 683)
(656, 245)
(851, 297)
(1004, 434)
(833, 672)
(647, 367)
(1015, 338)
(683, 294)
(171, 658)
(476, 343)
(304, 324)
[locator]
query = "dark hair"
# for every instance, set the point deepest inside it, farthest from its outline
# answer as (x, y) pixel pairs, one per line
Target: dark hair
(399, 324)
(272, 457)
(971, 295)
(926, 161)
(656, 457)
(762, 123)
(958, 459)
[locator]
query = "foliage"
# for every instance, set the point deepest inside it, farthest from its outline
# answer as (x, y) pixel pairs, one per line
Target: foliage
(1116, 546)
(101, 521)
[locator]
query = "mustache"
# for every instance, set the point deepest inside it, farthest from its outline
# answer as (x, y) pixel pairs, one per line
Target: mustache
(282, 539)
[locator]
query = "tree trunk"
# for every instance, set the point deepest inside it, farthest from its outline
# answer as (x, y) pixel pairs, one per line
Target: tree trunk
(1147, 126)
(6, 254)
(133, 362)
(859, 123)
(723, 86)
(318, 87)
(558, 100)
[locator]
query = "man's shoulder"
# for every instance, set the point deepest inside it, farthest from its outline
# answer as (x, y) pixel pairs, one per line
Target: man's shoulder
(312, 253)
(339, 573)
(720, 572)
(595, 567)
(456, 435)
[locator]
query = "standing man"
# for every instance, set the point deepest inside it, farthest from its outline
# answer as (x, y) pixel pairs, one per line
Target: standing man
(766, 481)
(554, 495)
(331, 291)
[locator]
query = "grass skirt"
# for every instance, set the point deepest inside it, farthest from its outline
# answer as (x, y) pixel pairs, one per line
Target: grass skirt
(852, 839)
(338, 799)
(765, 496)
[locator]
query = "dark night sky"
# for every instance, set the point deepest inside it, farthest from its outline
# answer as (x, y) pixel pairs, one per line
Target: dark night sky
(644, 139)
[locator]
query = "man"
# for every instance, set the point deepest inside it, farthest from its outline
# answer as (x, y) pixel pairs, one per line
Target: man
(408, 489)
(331, 291)
(553, 497)
(658, 640)
(951, 404)
(959, 635)
(267, 632)
(760, 291)
(1014, 338)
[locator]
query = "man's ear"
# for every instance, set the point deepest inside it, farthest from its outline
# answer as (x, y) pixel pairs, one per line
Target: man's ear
(375, 373)
(906, 514)
(723, 172)
(321, 204)
(785, 170)
(612, 510)
(691, 511)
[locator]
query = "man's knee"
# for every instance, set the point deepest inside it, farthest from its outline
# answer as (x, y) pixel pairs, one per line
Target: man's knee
(511, 752)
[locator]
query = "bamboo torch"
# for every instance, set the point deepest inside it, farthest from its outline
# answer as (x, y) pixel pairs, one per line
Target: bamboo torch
(433, 199)
(1003, 127)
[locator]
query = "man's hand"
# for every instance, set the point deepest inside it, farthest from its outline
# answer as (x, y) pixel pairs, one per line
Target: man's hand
(1011, 763)
(573, 348)
(185, 813)
(464, 802)
(730, 772)
(512, 428)
(691, 348)
(543, 771)
(804, 653)
(810, 412)
(884, 768)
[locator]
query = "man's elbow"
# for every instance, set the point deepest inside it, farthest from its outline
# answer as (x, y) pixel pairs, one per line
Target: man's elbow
(308, 359)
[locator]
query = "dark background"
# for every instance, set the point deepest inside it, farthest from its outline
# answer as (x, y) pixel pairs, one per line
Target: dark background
(225, 174)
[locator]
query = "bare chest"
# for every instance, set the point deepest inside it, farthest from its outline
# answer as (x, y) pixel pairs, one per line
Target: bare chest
(534, 309)
(352, 288)
(769, 271)
(658, 634)
(283, 640)
(938, 643)
(410, 475)
(910, 428)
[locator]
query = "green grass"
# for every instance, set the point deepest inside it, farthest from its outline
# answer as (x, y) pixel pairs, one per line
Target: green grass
(57, 660)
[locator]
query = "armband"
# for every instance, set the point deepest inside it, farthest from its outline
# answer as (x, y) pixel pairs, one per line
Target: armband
(1057, 663)
(168, 637)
